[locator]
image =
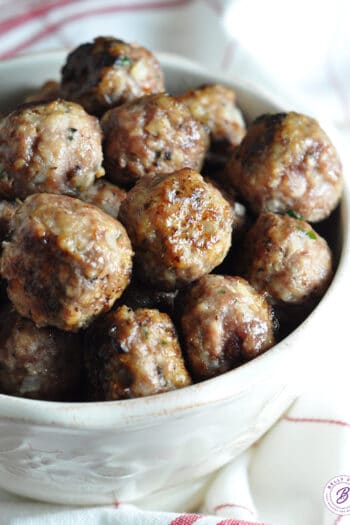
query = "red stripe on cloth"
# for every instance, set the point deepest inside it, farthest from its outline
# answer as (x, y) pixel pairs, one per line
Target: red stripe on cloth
(239, 522)
(338, 519)
(32, 14)
(52, 28)
(233, 505)
(317, 420)
(186, 519)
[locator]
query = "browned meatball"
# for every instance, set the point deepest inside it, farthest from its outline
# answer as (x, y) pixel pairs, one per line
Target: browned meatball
(39, 363)
(155, 134)
(287, 162)
(66, 263)
(109, 72)
(215, 106)
(179, 225)
(104, 195)
(287, 258)
(133, 354)
(225, 323)
(52, 147)
(7, 216)
(49, 90)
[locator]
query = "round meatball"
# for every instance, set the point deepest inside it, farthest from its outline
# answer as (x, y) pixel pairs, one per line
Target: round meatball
(49, 90)
(180, 227)
(52, 147)
(134, 354)
(153, 135)
(7, 217)
(224, 324)
(109, 72)
(215, 106)
(66, 263)
(38, 363)
(287, 258)
(106, 196)
(287, 162)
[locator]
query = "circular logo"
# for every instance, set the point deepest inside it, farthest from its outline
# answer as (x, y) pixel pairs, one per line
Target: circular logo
(337, 495)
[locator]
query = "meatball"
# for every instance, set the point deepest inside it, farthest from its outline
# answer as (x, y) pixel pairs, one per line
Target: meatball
(39, 363)
(287, 162)
(287, 258)
(7, 217)
(109, 72)
(224, 324)
(66, 263)
(106, 196)
(180, 227)
(52, 147)
(134, 354)
(153, 135)
(215, 106)
(49, 90)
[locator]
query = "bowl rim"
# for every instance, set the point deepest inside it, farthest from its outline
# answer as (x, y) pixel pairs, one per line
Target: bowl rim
(225, 387)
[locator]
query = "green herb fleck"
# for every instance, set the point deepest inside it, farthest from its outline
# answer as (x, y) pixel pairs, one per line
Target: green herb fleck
(71, 132)
(122, 60)
(145, 333)
(221, 291)
(163, 343)
(311, 234)
(295, 215)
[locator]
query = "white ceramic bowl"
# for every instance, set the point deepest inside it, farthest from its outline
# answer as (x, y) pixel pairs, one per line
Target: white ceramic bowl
(158, 450)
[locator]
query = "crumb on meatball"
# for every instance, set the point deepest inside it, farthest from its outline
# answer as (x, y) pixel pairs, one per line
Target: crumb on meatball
(67, 261)
(49, 147)
(109, 72)
(215, 106)
(38, 363)
(153, 135)
(287, 258)
(287, 162)
(134, 354)
(105, 195)
(180, 227)
(225, 323)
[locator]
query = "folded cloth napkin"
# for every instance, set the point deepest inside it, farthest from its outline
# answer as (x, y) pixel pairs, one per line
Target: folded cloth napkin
(300, 49)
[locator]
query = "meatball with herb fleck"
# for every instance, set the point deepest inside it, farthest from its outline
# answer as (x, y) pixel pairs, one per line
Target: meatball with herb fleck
(152, 135)
(49, 147)
(287, 162)
(287, 258)
(106, 196)
(38, 363)
(109, 72)
(225, 322)
(215, 106)
(67, 261)
(134, 354)
(180, 227)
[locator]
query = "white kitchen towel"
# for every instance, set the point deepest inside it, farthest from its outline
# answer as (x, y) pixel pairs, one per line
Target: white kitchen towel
(300, 49)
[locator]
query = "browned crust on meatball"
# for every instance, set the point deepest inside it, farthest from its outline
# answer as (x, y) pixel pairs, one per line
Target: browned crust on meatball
(52, 147)
(134, 354)
(48, 91)
(288, 259)
(180, 227)
(109, 72)
(225, 323)
(106, 196)
(215, 106)
(38, 363)
(7, 217)
(287, 162)
(153, 135)
(66, 263)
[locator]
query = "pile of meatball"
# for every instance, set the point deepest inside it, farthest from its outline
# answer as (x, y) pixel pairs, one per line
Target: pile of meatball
(149, 241)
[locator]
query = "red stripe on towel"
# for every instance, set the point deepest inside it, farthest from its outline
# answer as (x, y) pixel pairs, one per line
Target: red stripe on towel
(317, 420)
(233, 505)
(186, 519)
